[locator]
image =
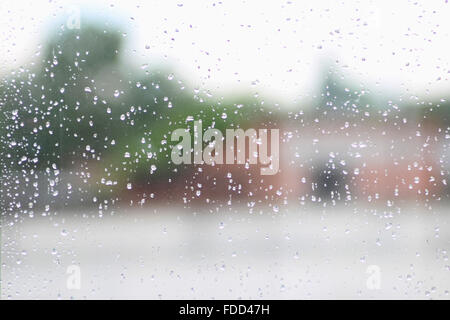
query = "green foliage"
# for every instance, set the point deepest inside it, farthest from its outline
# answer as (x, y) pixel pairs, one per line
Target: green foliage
(82, 108)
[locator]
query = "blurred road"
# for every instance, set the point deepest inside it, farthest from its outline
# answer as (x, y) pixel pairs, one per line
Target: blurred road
(175, 253)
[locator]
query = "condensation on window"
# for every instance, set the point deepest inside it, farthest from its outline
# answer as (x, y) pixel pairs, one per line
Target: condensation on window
(224, 150)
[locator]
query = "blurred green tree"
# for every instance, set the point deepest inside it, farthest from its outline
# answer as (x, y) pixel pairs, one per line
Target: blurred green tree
(84, 109)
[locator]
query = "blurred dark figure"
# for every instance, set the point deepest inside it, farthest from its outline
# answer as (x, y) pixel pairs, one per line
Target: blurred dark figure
(330, 182)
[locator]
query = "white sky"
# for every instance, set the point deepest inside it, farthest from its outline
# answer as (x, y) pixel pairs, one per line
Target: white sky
(279, 46)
